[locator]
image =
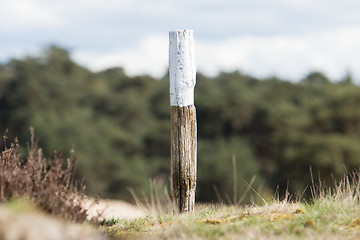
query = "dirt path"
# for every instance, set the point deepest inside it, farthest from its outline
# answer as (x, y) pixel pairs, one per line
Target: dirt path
(113, 209)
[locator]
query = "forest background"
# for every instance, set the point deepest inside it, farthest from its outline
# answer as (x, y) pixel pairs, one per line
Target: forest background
(119, 126)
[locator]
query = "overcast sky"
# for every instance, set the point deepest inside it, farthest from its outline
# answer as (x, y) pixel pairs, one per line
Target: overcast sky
(286, 38)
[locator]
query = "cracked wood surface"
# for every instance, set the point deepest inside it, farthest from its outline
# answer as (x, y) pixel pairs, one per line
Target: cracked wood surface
(183, 157)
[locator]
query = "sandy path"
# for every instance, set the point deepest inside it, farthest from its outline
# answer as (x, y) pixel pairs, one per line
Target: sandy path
(113, 209)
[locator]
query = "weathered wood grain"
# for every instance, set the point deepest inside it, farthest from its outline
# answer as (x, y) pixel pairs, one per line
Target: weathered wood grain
(183, 157)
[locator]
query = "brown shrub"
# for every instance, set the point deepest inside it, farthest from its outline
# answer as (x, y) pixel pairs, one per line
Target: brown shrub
(48, 183)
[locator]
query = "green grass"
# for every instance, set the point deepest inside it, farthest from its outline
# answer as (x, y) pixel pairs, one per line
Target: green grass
(278, 220)
(333, 213)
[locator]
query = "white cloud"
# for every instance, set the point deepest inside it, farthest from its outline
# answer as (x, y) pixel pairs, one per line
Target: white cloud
(286, 38)
(290, 57)
(22, 15)
(149, 56)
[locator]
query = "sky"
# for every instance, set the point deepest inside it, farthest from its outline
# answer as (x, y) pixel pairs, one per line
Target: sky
(263, 38)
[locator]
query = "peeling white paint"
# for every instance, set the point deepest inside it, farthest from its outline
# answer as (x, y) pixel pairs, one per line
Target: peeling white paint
(182, 67)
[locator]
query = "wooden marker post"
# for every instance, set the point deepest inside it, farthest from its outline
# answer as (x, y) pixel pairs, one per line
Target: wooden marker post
(183, 119)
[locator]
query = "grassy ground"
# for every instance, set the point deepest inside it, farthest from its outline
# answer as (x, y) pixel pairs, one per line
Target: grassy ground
(55, 206)
(333, 214)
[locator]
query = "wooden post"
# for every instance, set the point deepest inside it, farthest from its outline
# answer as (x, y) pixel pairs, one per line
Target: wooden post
(182, 71)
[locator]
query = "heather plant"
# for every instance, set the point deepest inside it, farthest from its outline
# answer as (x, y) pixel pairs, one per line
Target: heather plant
(49, 183)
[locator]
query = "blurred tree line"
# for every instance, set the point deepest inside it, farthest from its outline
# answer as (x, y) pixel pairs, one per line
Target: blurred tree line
(119, 126)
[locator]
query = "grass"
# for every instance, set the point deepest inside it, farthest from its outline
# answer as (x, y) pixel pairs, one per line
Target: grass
(333, 213)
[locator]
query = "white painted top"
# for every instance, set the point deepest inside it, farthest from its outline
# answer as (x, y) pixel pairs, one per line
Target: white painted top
(182, 67)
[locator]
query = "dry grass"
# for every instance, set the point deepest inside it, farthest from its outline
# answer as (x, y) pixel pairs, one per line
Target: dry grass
(333, 213)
